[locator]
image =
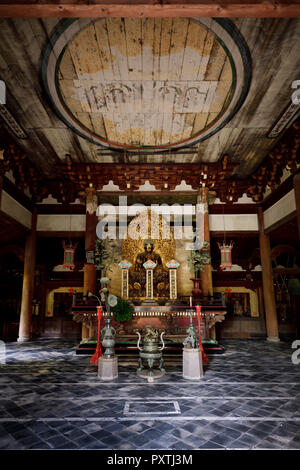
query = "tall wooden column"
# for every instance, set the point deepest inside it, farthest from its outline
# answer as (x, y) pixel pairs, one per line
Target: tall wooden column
(297, 198)
(267, 277)
(28, 282)
(206, 274)
(1, 181)
(90, 273)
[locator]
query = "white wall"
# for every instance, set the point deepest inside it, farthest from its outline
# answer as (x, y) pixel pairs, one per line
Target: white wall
(60, 223)
(233, 222)
(282, 208)
(15, 210)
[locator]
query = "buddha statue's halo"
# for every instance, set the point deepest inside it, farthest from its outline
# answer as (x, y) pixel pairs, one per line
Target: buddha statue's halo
(165, 247)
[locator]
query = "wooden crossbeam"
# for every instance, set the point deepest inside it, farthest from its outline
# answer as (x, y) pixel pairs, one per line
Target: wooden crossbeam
(148, 8)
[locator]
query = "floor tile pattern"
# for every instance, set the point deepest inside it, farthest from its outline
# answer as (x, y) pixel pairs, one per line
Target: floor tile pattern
(249, 398)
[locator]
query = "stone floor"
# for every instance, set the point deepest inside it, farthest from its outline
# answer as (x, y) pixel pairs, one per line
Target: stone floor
(249, 398)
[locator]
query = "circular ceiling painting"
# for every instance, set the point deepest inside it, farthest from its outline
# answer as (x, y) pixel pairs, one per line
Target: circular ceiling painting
(146, 83)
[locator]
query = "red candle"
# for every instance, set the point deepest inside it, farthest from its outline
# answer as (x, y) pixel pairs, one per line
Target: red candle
(204, 356)
(98, 352)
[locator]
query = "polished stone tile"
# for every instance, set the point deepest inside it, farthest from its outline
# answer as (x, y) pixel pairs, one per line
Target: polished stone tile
(249, 398)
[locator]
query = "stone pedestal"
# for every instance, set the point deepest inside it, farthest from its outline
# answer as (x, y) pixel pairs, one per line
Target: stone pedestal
(192, 364)
(108, 368)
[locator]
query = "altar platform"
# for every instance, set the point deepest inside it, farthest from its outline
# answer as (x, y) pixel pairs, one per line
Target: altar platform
(128, 346)
(173, 319)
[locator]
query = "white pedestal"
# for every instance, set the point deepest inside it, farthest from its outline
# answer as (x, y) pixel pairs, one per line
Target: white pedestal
(192, 364)
(108, 368)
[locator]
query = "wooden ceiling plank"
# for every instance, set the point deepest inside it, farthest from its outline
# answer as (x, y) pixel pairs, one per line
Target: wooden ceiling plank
(167, 128)
(44, 157)
(177, 47)
(147, 49)
(118, 49)
(81, 149)
(137, 128)
(98, 125)
(133, 30)
(84, 53)
(67, 90)
(119, 127)
(104, 48)
(156, 48)
(226, 74)
(200, 122)
(193, 50)
(85, 118)
(165, 43)
(60, 140)
(210, 96)
(147, 129)
(206, 51)
(157, 117)
(221, 94)
(216, 62)
(21, 81)
(109, 126)
(157, 128)
(32, 48)
(177, 127)
(67, 68)
(188, 125)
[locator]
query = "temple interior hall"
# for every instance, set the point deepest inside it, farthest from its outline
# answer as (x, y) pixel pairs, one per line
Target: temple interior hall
(149, 225)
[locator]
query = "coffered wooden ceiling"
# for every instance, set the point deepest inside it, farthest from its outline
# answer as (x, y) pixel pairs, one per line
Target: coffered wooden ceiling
(145, 83)
(148, 83)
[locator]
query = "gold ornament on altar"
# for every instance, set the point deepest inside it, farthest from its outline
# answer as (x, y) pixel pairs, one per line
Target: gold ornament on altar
(152, 226)
(148, 238)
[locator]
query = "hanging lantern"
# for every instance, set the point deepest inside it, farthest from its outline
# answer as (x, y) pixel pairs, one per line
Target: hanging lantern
(226, 258)
(69, 253)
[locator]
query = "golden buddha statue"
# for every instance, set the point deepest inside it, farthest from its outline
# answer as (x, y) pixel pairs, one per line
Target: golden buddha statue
(137, 275)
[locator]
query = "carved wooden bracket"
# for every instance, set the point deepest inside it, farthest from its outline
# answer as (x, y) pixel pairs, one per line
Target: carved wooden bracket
(217, 177)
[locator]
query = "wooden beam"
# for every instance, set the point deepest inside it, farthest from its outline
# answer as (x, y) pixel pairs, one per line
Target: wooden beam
(236, 208)
(236, 234)
(150, 9)
(297, 198)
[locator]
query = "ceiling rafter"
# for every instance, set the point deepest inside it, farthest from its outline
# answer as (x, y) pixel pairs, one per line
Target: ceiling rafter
(218, 177)
(148, 8)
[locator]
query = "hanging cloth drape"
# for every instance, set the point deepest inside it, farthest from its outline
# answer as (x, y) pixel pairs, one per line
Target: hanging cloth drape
(98, 353)
(205, 359)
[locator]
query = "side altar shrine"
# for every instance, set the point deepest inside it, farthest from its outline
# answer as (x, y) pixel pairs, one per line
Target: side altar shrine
(160, 282)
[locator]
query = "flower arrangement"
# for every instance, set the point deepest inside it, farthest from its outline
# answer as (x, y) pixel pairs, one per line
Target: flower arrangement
(122, 311)
(199, 258)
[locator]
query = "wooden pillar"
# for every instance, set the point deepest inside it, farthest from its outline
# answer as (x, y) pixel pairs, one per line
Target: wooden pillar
(267, 277)
(206, 274)
(297, 198)
(260, 302)
(28, 282)
(1, 182)
(90, 273)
